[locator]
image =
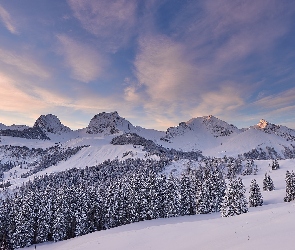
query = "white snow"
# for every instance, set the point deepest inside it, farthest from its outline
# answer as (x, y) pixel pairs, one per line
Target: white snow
(270, 226)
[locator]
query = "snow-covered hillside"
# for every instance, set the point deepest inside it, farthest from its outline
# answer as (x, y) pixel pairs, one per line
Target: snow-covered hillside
(270, 226)
(110, 149)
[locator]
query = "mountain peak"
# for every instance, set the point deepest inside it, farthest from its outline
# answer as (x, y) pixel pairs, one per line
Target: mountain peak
(208, 117)
(50, 123)
(262, 124)
(108, 123)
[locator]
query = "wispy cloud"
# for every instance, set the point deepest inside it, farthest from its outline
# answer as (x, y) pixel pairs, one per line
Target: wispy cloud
(219, 102)
(7, 21)
(111, 21)
(14, 99)
(163, 73)
(85, 62)
(23, 63)
(276, 101)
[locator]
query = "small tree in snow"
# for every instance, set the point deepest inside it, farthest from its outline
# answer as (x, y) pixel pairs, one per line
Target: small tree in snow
(268, 183)
(275, 165)
(255, 198)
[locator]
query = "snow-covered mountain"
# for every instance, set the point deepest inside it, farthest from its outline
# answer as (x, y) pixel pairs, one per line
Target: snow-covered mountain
(211, 124)
(108, 124)
(92, 145)
(279, 130)
(208, 134)
(51, 124)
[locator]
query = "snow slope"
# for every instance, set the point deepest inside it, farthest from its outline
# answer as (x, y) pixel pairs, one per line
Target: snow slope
(270, 226)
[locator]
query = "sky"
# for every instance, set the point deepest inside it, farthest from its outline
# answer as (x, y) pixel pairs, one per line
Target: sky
(156, 62)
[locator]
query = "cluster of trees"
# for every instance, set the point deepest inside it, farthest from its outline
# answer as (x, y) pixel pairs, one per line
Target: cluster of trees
(51, 157)
(79, 201)
(36, 159)
(28, 133)
(289, 153)
(262, 154)
(154, 149)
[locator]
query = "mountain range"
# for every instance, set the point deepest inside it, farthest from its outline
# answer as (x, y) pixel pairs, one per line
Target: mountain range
(208, 134)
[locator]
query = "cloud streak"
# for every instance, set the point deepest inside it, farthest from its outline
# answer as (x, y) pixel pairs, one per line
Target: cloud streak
(7, 21)
(23, 63)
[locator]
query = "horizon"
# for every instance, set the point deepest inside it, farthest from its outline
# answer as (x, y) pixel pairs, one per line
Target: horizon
(156, 62)
(61, 120)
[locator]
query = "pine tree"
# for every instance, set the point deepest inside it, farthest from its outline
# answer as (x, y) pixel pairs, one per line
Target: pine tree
(255, 198)
(275, 165)
(171, 197)
(60, 223)
(268, 183)
(234, 202)
(188, 195)
(203, 199)
(248, 168)
(290, 186)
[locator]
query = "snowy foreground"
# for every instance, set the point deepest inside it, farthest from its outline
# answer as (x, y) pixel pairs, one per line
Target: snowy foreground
(270, 226)
(266, 227)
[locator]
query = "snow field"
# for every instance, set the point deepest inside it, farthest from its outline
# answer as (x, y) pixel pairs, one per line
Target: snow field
(270, 226)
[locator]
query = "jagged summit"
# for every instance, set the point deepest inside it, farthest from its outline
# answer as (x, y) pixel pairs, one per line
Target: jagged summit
(108, 123)
(50, 123)
(262, 124)
(279, 130)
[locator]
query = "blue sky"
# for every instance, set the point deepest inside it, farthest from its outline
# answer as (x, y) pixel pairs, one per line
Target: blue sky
(156, 62)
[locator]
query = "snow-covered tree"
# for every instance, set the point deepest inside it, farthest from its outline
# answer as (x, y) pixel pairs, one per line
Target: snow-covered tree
(203, 205)
(187, 194)
(275, 165)
(255, 197)
(234, 202)
(290, 186)
(268, 183)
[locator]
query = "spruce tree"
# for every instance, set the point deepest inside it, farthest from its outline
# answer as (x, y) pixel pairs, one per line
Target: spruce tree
(290, 186)
(268, 183)
(275, 165)
(203, 199)
(188, 195)
(248, 168)
(171, 197)
(255, 198)
(234, 202)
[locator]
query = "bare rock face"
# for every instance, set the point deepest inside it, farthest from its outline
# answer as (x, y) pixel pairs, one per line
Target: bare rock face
(51, 124)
